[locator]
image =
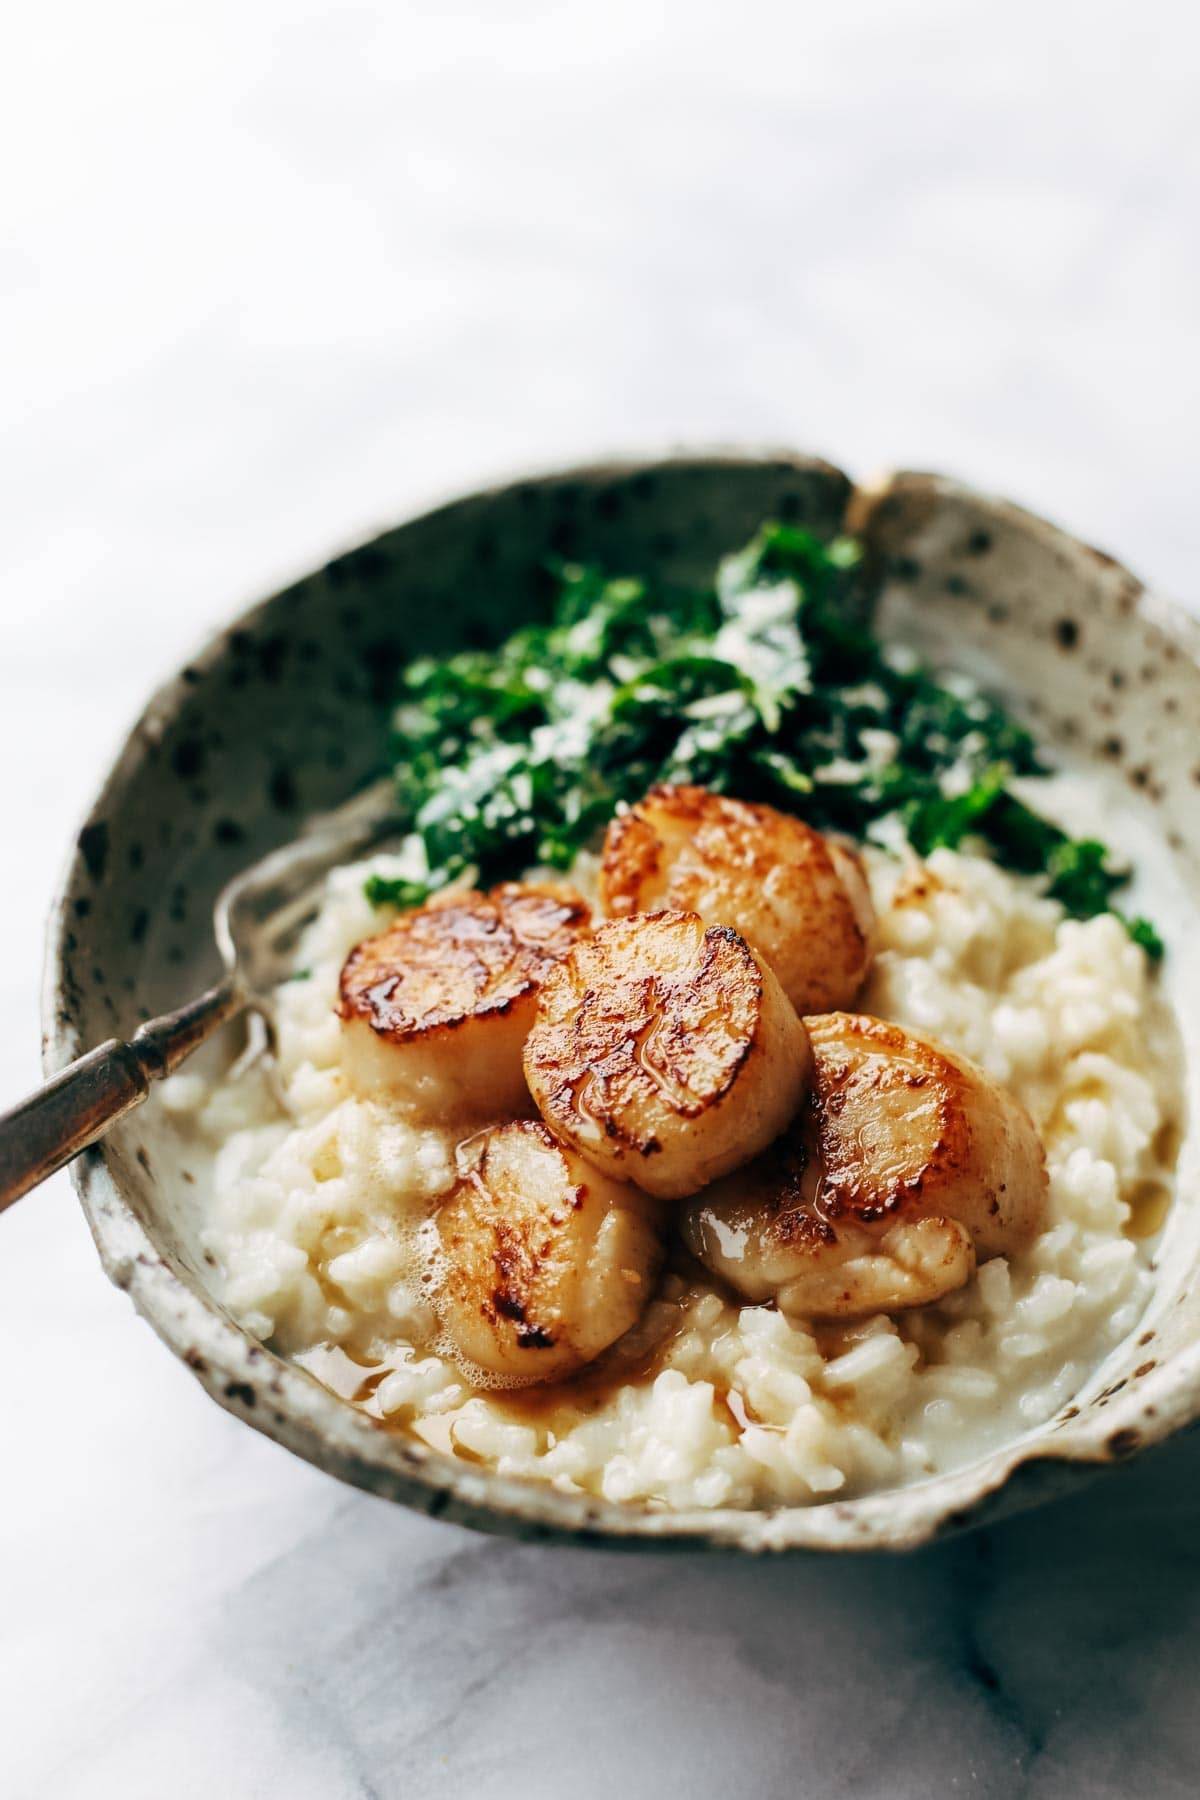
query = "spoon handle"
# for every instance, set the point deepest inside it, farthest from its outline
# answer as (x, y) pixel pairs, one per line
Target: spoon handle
(79, 1104)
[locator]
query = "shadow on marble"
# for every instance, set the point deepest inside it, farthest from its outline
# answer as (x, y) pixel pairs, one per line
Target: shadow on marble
(1053, 1655)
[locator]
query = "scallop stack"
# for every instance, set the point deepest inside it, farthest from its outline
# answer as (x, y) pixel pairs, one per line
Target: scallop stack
(680, 1070)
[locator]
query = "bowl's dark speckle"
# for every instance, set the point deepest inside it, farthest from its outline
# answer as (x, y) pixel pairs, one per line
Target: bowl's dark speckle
(382, 659)
(272, 657)
(1123, 1443)
(187, 757)
(609, 505)
(566, 536)
(93, 847)
(282, 790)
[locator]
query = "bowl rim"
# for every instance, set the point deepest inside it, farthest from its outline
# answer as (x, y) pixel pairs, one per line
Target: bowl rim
(281, 1400)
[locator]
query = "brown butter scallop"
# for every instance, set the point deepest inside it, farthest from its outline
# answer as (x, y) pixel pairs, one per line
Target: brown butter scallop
(435, 1010)
(666, 1052)
(905, 1122)
(800, 898)
(544, 1261)
(908, 1166)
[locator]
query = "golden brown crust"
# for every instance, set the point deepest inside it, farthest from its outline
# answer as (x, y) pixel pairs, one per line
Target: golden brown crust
(784, 1182)
(907, 1165)
(462, 956)
(545, 1261)
(666, 1052)
(902, 1122)
(632, 860)
(782, 885)
(506, 1252)
(646, 1011)
(871, 1071)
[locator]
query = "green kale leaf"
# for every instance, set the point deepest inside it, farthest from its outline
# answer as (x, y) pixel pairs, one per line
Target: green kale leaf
(769, 684)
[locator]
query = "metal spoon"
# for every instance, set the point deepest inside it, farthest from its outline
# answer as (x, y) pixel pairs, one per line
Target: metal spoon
(257, 920)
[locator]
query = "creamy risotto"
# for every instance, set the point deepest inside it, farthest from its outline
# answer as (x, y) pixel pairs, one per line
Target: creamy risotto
(324, 1196)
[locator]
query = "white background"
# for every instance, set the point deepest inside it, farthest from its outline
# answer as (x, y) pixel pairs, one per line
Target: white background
(270, 275)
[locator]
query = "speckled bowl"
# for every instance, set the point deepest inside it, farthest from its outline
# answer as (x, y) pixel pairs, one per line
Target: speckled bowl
(283, 714)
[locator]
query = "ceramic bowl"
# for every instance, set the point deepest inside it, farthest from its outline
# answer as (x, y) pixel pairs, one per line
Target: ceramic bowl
(283, 714)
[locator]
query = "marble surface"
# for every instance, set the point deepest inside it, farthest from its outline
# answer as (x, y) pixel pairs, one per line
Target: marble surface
(269, 276)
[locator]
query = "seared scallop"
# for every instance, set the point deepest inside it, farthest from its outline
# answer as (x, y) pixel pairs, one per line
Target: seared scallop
(436, 1009)
(799, 898)
(543, 1261)
(666, 1052)
(908, 1166)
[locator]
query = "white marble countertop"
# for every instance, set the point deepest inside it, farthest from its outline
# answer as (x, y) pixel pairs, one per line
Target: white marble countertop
(270, 276)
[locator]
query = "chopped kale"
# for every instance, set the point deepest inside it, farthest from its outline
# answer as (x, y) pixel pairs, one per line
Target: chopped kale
(938, 819)
(385, 890)
(1081, 876)
(1142, 932)
(770, 685)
